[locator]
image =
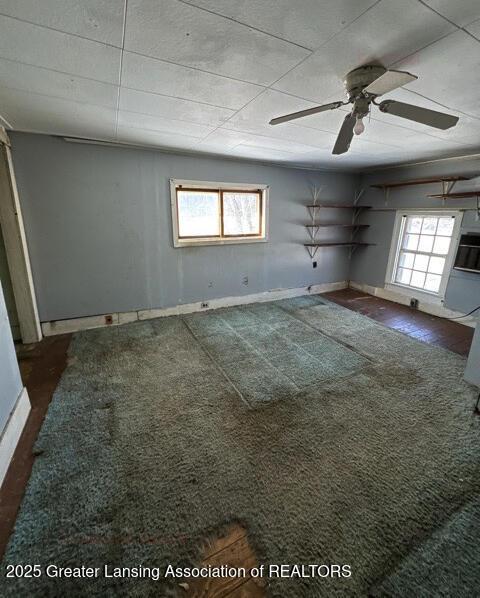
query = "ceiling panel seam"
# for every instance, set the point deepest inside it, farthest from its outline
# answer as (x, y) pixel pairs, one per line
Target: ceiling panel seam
(189, 3)
(120, 67)
(217, 14)
(169, 118)
(194, 68)
(439, 39)
(57, 97)
(89, 39)
(451, 22)
(165, 132)
(69, 73)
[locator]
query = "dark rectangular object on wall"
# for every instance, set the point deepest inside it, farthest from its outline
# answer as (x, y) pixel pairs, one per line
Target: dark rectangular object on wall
(468, 253)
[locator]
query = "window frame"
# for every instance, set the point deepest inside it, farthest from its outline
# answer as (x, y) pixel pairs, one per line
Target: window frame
(395, 248)
(222, 239)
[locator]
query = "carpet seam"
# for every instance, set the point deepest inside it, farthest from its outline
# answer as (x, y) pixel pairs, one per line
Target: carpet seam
(267, 360)
(216, 364)
(332, 338)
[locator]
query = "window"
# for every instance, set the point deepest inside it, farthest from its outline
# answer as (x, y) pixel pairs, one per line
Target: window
(423, 251)
(218, 213)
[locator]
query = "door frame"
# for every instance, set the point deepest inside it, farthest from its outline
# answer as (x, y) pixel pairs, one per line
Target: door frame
(16, 248)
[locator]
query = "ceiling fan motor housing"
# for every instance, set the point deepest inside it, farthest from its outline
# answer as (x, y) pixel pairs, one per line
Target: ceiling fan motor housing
(356, 80)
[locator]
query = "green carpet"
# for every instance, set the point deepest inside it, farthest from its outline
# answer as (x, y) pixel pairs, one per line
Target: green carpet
(331, 438)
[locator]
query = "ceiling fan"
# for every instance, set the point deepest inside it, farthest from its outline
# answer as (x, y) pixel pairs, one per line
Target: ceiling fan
(364, 85)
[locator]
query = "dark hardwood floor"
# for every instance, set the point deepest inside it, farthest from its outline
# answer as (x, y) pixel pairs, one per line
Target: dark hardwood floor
(41, 365)
(430, 329)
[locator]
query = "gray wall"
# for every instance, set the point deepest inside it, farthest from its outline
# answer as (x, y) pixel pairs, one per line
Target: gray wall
(10, 382)
(369, 265)
(98, 224)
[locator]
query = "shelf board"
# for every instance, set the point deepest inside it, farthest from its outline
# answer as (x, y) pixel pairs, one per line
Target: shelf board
(345, 244)
(441, 179)
(339, 206)
(337, 225)
(456, 195)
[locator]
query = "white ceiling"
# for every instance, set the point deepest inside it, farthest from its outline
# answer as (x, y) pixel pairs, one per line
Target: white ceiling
(208, 75)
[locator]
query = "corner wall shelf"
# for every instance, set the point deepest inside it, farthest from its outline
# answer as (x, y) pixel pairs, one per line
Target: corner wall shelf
(338, 244)
(440, 179)
(338, 206)
(337, 225)
(315, 226)
(461, 195)
(457, 195)
(447, 183)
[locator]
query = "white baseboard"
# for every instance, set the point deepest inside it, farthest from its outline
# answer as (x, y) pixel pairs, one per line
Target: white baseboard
(115, 319)
(12, 431)
(434, 309)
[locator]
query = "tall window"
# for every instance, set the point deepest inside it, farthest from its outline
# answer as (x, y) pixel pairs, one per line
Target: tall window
(210, 215)
(423, 251)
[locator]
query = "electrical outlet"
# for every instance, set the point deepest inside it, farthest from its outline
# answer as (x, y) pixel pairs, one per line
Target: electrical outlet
(414, 303)
(204, 305)
(245, 280)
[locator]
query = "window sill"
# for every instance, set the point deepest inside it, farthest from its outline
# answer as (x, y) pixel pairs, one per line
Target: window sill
(234, 241)
(420, 294)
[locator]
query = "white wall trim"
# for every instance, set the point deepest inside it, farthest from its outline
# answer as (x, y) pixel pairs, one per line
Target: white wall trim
(76, 324)
(12, 431)
(432, 308)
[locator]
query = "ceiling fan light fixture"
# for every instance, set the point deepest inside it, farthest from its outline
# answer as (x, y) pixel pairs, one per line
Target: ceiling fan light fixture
(359, 127)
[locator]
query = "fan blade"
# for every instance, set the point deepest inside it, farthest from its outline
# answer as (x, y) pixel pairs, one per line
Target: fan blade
(389, 81)
(432, 118)
(302, 113)
(345, 135)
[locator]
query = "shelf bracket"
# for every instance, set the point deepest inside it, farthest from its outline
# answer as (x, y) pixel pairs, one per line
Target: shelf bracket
(313, 215)
(447, 187)
(386, 194)
(312, 231)
(356, 199)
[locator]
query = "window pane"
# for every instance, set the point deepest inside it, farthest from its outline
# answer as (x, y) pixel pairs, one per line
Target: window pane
(198, 213)
(418, 279)
(432, 283)
(425, 243)
(436, 265)
(445, 226)
(441, 245)
(403, 275)
(406, 259)
(241, 213)
(429, 226)
(410, 241)
(421, 262)
(414, 225)
(422, 255)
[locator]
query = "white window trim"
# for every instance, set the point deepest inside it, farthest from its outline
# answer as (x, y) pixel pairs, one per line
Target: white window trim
(177, 242)
(449, 258)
